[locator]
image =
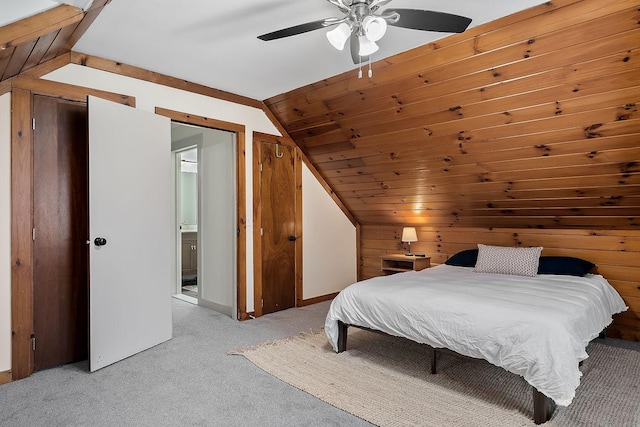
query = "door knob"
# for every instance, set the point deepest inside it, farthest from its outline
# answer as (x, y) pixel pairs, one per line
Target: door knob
(292, 238)
(100, 241)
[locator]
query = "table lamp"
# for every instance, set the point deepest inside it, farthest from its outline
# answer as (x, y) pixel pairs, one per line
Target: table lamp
(409, 235)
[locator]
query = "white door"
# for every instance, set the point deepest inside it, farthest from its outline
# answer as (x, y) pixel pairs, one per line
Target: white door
(217, 221)
(129, 207)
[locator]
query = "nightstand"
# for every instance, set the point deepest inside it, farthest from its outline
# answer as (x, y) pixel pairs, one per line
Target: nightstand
(398, 263)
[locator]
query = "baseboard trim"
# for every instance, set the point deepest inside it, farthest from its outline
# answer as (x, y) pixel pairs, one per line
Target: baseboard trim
(5, 377)
(316, 300)
(228, 311)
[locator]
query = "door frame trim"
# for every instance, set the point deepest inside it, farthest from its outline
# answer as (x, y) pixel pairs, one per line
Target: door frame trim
(22, 310)
(258, 139)
(241, 195)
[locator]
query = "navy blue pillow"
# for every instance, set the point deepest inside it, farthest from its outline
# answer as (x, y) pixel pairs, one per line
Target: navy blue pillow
(466, 258)
(565, 265)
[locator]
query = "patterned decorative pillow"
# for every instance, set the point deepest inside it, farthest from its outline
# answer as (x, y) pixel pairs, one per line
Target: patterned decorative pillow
(507, 260)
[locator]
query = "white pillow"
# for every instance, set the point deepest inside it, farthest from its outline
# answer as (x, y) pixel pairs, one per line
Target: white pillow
(507, 260)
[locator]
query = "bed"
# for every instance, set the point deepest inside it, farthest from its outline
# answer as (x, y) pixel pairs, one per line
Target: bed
(534, 325)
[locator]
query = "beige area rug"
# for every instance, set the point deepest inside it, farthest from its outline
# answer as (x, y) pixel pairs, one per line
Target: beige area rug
(387, 381)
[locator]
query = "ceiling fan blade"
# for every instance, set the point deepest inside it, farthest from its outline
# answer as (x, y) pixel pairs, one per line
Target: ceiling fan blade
(296, 29)
(428, 20)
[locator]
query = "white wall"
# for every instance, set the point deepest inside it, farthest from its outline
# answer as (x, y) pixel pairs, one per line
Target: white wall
(5, 232)
(326, 230)
(328, 241)
(150, 95)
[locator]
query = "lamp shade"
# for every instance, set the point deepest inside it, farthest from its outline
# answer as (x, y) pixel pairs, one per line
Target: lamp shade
(339, 35)
(374, 27)
(409, 234)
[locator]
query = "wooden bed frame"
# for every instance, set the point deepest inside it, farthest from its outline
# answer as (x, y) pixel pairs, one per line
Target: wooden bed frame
(543, 406)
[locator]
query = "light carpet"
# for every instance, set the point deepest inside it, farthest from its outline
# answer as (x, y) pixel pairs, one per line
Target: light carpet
(386, 381)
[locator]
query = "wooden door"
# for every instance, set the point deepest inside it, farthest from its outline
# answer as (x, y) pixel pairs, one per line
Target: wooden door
(278, 226)
(129, 207)
(60, 231)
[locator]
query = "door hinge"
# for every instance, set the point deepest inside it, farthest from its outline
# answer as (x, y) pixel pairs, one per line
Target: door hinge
(261, 305)
(33, 234)
(260, 167)
(33, 342)
(261, 231)
(33, 123)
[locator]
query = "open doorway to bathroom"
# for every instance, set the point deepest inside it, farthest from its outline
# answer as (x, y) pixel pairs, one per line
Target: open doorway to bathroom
(206, 206)
(188, 208)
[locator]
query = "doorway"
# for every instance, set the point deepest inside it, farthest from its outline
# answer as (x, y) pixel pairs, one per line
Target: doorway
(206, 225)
(187, 214)
(60, 229)
(75, 191)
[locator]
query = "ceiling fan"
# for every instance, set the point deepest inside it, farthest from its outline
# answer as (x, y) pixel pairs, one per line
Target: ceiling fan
(365, 24)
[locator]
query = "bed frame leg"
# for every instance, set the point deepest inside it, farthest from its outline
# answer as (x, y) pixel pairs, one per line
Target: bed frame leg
(603, 334)
(342, 336)
(543, 407)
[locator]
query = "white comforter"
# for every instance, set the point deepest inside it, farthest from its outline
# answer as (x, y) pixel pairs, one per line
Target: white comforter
(536, 327)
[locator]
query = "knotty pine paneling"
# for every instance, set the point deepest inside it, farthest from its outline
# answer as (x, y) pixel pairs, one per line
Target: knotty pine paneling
(530, 121)
(42, 37)
(615, 252)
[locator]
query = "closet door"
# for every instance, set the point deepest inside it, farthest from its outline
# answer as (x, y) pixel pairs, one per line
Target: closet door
(130, 231)
(278, 198)
(60, 218)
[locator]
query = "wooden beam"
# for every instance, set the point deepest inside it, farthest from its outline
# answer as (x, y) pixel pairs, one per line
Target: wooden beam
(256, 151)
(48, 66)
(39, 25)
(299, 271)
(67, 91)
(241, 223)
(199, 120)
(5, 87)
(21, 242)
(153, 77)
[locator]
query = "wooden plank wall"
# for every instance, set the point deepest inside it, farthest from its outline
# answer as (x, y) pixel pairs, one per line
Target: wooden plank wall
(527, 121)
(522, 131)
(615, 252)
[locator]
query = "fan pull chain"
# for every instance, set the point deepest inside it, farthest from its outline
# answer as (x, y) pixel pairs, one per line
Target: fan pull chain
(369, 73)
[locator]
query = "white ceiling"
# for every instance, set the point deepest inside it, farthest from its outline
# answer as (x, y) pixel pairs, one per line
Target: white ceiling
(14, 10)
(215, 43)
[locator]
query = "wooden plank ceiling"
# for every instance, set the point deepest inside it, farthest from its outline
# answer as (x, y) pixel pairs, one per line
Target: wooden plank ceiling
(42, 37)
(528, 121)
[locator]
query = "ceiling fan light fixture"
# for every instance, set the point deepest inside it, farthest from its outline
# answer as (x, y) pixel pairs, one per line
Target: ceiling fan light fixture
(339, 35)
(374, 27)
(367, 47)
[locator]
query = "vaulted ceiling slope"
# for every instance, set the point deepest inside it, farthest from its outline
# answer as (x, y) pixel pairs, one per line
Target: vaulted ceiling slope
(527, 121)
(41, 38)
(215, 44)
